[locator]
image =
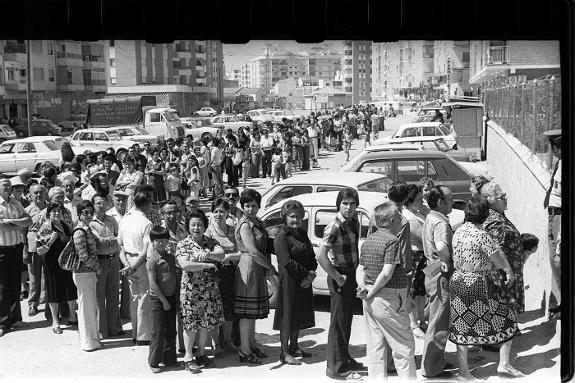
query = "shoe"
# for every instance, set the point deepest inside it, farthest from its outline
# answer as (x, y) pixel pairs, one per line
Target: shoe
(518, 332)
(259, 353)
(289, 359)
(33, 311)
(301, 353)
(354, 365)
(21, 324)
(57, 330)
(192, 367)
(344, 376)
(418, 333)
(449, 366)
(142, 343)
(442, 374)
(72, 322)
(509, 372)
(229, 347)
(251, 358)
(155, 369)
(204, 361)
(219, 351)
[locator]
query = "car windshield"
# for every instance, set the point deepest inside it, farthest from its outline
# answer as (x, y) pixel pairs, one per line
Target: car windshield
(171, 116)
(380, 185)
(51, 145)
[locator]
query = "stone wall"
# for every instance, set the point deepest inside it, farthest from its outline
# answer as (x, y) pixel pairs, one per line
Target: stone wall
(524, 177)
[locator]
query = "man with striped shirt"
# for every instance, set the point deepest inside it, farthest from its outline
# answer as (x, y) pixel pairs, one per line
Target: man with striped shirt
(338, 256)
(13, 221)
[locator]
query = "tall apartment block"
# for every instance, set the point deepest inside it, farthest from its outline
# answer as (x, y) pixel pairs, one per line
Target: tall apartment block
(356, 69)
(517, 60)
(64, 74)
(183, 74)
(451, 67)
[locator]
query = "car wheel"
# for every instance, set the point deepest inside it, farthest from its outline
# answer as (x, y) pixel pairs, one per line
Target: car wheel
(207, 135)
(273, 290)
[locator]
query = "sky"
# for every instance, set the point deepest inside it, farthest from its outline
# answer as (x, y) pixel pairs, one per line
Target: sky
(237, 54)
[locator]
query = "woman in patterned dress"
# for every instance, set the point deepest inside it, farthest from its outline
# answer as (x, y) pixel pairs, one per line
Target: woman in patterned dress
(201, 304)
(130, 178)
(251, 295)
(480, 312)
(507, 237)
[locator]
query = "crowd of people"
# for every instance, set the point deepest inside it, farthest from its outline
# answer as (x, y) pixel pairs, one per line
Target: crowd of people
(147, 252)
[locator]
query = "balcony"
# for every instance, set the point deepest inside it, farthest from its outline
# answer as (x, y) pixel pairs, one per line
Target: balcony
(497, 55)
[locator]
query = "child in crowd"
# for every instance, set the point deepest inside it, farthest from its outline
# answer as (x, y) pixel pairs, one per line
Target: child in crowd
(172, 184)
(288, 158)
(346, 142)
(277, 161)
(161, 268)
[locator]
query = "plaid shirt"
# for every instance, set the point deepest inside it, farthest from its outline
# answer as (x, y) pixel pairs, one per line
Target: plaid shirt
(86, 245)
(341, 237)
(381, 248)
(154, 216)
(11, 209)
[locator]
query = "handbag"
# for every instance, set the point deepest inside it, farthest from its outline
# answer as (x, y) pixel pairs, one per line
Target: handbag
(68, 258)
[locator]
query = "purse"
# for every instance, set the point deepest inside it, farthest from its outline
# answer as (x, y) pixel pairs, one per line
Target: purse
(68, 258)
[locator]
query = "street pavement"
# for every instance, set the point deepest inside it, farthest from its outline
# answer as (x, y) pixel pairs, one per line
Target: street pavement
(35, 353)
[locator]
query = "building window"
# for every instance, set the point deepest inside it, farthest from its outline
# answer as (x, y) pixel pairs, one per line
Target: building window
(69, 75)
(50, 49)
(51, 75)
(10, 74)
(63, 47)
(112, 43)
(113, 81)
(22, 72)
(112, 62)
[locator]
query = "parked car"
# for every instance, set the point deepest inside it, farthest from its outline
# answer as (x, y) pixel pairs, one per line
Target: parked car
(229, 121)
(260, 115)
(431, 143)
(206, 112)
(74, 122)
(408, 132)
(29, 153)
(100, 139)
(320, 210)
(279, 115)
(198, 130)
(134, 133)
(6, 132)
(411, 165)
(40, 127)
(324, 181)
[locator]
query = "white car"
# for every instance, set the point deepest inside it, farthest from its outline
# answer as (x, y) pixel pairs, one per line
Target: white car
(134, 133)
(206, 112)
(99, 139)
(229, 121)
(409, 132)
(320, 210)
(29, 153)
(279, 115)
(200, 132)
(6, 132)
(324, 181)
(260, 115)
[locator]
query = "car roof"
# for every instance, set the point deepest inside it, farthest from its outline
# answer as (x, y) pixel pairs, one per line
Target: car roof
(403, 154)
(367, 200)
(377, 147)
(33, 139)
(120, 127)
(92, 130)
(331, 178)
(418, 124)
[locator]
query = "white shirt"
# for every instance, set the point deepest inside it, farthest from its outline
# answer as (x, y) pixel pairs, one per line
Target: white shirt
(88, 193)
(266, 143)
(113, 212)
(134, 231)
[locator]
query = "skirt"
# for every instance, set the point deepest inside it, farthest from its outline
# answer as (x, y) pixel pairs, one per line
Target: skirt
(480, 311)
(294, 309)
(60, 286)
(251, 299)
(200, 301)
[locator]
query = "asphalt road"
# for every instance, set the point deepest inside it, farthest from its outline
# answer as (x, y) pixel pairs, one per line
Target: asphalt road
(35, 353)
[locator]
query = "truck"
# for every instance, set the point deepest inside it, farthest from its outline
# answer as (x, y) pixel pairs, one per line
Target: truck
(139, 111)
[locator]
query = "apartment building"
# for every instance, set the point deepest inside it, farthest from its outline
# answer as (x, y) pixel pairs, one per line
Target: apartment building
(451, 67)
(64, 74)
(356, 64)
(184, 74)
(518, 60)
(402, 69)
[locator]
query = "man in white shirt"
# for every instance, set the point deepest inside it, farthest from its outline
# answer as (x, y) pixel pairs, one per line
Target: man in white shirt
(267, 144)
(117, 212)
(217, 157)
(313, 133)
(134, 240)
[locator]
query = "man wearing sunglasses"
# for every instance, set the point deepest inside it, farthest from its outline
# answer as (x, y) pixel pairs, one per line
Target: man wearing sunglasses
(232, 195)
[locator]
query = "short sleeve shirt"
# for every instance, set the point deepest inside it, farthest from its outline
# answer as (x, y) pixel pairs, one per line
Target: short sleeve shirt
(164, 269)
(381, 248)
(436, 229)
(341, 237)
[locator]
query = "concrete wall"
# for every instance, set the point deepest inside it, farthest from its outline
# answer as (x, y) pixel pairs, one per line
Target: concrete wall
(524, 177)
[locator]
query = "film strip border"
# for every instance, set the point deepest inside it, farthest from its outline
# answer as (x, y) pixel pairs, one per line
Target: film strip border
(238, 21)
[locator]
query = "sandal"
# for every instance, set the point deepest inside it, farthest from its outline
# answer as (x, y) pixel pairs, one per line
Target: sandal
(192, 367)
(301, 353)
(251, 358)
(509, 372)
(259, 353)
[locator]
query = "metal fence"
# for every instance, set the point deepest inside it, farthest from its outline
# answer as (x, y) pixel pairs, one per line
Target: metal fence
(525, 109)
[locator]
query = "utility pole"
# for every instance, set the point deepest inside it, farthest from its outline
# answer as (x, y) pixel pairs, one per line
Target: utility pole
(28, 88)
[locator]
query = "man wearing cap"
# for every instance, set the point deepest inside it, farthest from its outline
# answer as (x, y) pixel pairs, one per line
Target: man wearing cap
(13, 220)
(552, 203)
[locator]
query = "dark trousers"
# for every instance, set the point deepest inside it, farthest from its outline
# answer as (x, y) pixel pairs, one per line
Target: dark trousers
(10, 285)
(35, 277)
(433, 356)
(163, 337)
(341, 315)
(267, 163)
(125, 298)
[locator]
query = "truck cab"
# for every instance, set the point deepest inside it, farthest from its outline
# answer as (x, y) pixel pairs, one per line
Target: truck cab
(163, 123)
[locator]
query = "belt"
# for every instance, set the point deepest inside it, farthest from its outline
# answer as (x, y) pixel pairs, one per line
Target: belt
(11, 247)
(554, 210)
(106, 256)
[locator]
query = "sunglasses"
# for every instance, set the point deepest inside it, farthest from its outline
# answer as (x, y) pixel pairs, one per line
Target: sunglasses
(87, 212)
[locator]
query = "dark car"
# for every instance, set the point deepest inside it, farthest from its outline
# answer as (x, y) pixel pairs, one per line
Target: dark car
(74, 122)
(411, 165)
(40, 127)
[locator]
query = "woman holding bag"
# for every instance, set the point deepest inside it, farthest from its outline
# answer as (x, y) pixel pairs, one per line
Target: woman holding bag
(52, 237)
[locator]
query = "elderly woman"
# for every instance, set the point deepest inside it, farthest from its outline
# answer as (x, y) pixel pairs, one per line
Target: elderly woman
(250, 288)
(224, 234)
(507, 237)
(382, 285)
(477, 183)
(52, 237)
(296, 266)
(412, 212)
(85, 278)
(130, 178)
(201, 304)
(480, 309)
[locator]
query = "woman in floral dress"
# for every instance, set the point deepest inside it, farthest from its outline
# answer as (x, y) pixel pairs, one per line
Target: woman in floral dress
(201, 304)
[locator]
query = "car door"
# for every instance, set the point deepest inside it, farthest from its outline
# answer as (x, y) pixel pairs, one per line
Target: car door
(8, 158)
(86, 141)
(25, 155)
(101, 141)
